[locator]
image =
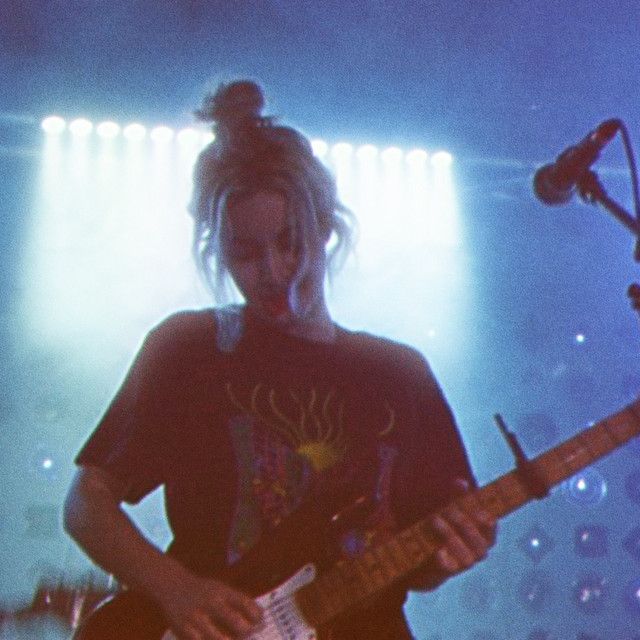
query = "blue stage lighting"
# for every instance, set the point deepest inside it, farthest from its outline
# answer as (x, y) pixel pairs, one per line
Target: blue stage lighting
(632, 486)
(589, 593)
(591, 541)
(631, 598)
(535, 591)
(536, 543)
(631, 543)
(587, 488)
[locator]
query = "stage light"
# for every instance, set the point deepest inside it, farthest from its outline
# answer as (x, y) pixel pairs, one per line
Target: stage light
(417, 158)
(208, 137)
(43, 463)
(442, 159)
(53, 125)
(534, 591)
(188, 136)
(631, 543)
(392, 156)
(108, 130)
(580, 338)
(591, 541)
(536, 543)
(589, 593)
(632, 486)
(342, 151)
(367, 153)
(631, 597)
(320, 148)
(81, 127)
(162, 134)
(587, 489)
(134, 132)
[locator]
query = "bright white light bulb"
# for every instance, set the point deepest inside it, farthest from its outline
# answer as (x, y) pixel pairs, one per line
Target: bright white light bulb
(417, 157)
(392, 155)
(162, 134)
(108, 130)
(442, 159)
(208, 137)
(342, 151)
(53, 125)
(188, 136)
(367, 153)
(320, 148)
(134, 132)
(81, 127)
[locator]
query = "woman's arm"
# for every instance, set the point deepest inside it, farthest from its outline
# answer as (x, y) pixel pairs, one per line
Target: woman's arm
(195, 607)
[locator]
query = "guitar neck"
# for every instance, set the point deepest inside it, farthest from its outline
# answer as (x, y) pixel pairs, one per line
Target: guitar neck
(353, 582)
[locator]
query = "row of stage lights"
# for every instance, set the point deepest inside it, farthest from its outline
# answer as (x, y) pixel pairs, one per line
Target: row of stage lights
(136, 132)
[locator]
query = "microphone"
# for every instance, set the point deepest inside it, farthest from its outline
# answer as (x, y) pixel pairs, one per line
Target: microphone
(554, 183)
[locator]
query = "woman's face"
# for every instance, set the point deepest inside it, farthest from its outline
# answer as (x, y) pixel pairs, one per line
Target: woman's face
(261, 253)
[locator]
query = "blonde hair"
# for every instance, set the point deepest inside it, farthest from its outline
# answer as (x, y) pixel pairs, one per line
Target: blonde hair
(251, 153)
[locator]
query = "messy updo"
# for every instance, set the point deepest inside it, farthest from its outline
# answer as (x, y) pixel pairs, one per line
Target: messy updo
(251, 153)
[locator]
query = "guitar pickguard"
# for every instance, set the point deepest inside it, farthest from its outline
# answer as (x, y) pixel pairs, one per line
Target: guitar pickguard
(282, 618)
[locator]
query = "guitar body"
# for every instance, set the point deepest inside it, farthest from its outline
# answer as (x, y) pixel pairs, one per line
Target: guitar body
(131, 616)
(271, 572)
(280, 571)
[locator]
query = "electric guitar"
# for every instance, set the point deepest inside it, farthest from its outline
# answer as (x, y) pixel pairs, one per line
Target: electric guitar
(306, 604)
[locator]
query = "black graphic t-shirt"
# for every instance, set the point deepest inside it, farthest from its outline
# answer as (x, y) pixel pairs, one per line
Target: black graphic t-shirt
(245, 438)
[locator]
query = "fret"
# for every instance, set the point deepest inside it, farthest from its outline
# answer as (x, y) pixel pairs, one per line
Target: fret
(620, 427)
(512, 490)
(598, 441)
(373, 568)
(557, 467)
(414, 546)
(387, 558)
(397, 552)
(489, 497)
(574, 455)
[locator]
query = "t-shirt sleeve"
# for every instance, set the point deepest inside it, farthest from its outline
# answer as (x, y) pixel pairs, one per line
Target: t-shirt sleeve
(132, 440)
(436, 452)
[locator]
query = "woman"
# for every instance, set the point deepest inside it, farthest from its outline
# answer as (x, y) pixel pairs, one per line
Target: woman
(279, 436)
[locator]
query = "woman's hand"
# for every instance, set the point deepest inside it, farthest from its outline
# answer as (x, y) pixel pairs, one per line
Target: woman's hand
(466, 534)
(206, 609)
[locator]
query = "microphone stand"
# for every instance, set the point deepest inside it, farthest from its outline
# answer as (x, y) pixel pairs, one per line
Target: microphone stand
(591, 190)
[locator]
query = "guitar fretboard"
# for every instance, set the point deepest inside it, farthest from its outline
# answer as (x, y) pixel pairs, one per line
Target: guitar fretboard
(352, 582)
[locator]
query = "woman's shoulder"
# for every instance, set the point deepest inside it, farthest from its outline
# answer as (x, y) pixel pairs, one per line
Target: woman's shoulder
(382, 351)
(184, 328)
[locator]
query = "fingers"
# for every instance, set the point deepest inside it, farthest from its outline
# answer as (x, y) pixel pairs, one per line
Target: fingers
(233, 611)
(210, 610)
(466, 534)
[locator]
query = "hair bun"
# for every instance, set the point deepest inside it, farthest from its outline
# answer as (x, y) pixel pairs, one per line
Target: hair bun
(233, 102)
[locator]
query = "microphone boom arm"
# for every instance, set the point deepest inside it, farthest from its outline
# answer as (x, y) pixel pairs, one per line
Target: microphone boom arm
(591, 190)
